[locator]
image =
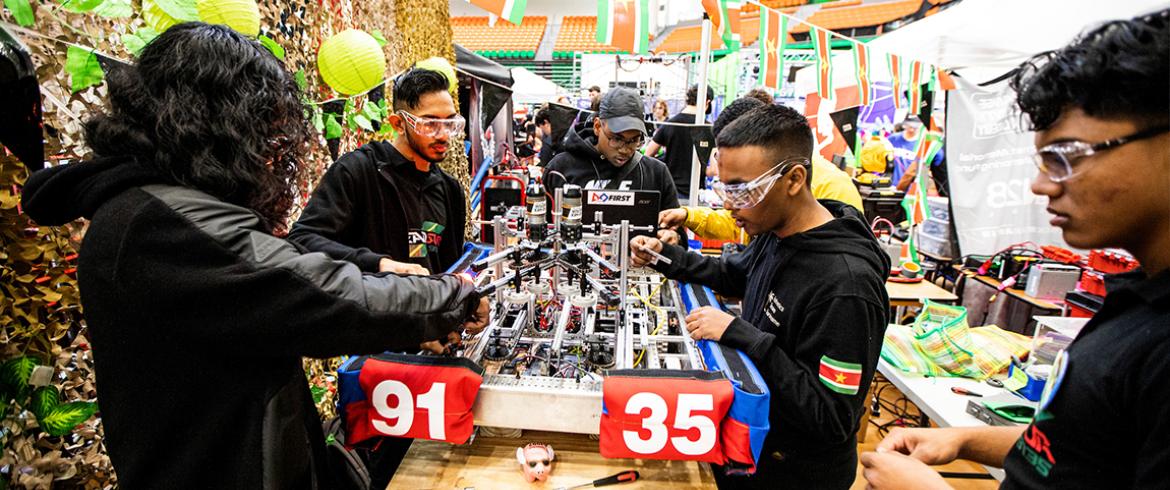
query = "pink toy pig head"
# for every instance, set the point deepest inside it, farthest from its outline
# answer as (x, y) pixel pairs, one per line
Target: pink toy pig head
(535, 461)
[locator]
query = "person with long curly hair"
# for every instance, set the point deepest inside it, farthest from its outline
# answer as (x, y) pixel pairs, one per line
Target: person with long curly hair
(197, 314)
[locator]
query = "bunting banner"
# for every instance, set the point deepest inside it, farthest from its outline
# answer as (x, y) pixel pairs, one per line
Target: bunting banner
(915, 202)
(861, 66)
(915, 86)
(824, 52)
(725, 15)
(773, 38)
(895, 63)
(509, 10)
(624, 24)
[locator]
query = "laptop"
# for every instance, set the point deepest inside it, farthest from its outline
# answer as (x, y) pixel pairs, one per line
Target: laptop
(640, 208)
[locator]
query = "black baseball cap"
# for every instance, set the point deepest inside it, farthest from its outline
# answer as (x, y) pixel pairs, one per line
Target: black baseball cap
(621, 109)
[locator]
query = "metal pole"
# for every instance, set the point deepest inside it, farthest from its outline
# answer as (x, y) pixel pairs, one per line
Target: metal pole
(701, 107)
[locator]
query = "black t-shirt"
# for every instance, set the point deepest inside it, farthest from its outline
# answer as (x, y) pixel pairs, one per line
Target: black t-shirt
(679, 150)
(426, 215)
(1106, 424)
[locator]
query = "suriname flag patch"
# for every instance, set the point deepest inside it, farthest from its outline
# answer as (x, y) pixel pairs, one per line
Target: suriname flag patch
(842, 377)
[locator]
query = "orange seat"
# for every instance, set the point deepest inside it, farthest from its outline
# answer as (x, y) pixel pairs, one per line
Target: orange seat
(475, 34)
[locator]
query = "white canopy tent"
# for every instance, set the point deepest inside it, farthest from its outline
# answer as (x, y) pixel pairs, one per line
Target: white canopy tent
(982, 39)
(530, 88)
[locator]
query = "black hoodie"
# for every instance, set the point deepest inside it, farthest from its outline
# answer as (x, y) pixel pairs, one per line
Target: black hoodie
(581, 164)
(812, 298)
(199, 318)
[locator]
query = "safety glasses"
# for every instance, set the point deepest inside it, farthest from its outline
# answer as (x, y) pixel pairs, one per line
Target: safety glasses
(1056, 160)
(433, 128)
(750, 194)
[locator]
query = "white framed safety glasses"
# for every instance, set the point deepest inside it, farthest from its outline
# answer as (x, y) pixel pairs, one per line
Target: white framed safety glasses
(750, 194)
(433, 128)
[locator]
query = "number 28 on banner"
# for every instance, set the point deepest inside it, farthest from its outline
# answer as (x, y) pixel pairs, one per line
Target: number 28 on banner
(674, 418)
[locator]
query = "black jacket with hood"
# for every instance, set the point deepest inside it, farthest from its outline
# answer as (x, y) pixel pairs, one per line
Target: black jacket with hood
(360, 212)
(813, 294)
(199, 318)
(581, 164)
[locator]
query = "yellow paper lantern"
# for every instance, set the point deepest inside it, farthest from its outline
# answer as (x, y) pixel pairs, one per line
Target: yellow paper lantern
(351, 62)
(241, 15)
(156, 17)
(440, 65)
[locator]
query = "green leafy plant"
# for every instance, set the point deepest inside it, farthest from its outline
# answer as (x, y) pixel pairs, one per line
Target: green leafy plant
(276, 49)
(21, 11)
(44, 402)
(83, 68)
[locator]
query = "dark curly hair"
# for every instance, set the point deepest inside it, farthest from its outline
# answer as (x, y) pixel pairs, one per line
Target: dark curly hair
(736, 108)
(1120, 69)
(212, 110)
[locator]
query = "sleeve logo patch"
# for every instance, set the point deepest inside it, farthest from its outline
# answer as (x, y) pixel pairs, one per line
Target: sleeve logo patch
(842, 377)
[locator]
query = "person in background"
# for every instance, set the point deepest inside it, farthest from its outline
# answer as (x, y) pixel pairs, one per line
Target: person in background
(198, 315)
(761, 95)
(1101, 113)
(828, 182)
(905, 145)
(814, 300)
(661, 112)
(564, 100)
(602, 153)
(548, 147)
(594, 98)
(679, 144)
(387, 206)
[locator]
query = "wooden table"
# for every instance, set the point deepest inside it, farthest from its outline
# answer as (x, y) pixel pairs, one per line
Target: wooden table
(490, 463)
(1017, 293)
(912, 294)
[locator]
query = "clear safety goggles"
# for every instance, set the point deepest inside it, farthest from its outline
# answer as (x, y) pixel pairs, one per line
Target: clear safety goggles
(1057, 160)
(433, 128)
(749, 194)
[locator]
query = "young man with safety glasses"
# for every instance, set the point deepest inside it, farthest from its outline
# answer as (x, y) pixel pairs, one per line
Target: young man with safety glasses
(814, 299)
(602, 153)
(1101, 111)
(387, 206)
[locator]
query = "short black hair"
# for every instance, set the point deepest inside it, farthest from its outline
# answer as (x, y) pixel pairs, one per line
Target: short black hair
(739, 107)
(761, 95)
(693, 94)
(595, 88)
(541, 117)
(411, 86)
(781, 130)
(1118, 70)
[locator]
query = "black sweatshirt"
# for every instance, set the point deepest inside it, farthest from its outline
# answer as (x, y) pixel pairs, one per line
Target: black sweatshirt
(581, 164)
(199, 318)
(813, 297)
(1106, 423)
(365, 209)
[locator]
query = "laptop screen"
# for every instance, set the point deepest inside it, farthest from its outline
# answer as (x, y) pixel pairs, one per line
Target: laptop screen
(640, 208)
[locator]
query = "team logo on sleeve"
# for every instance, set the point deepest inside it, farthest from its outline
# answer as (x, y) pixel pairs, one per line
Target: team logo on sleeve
(842, 377)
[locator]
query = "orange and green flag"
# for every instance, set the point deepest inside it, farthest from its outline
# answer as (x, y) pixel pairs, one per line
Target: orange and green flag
(824, 52)
(916, 82)
(624, 24)
(895, 63)
(915, 202)
(861, 66)
(842, 377)
(725, 15)
(509, 10)
(773, 37)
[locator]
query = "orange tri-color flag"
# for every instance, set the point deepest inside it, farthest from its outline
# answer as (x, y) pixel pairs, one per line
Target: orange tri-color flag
(509, 10)
(895, 78)
(773, 37)
(861, 64)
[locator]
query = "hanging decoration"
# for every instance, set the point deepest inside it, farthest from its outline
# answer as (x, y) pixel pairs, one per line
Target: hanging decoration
(241, 15)
(509, 10)
(824, 51)
(725, 15)
(773, 38)
(160, 15)
(624, 24)
(895, 63)
(861, 66)
(441, 65)
(916, 82)
(351, 62)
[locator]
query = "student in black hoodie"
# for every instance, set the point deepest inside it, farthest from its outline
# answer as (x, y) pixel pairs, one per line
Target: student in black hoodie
(387, 206)
(602, 153)
(814, 300)
(198, 315)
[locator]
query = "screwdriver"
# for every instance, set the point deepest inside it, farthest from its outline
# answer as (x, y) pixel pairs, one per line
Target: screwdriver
(963, 391)
(623, 477)
(657, 256)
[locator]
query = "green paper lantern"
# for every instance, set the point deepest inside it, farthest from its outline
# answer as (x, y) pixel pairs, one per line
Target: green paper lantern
(351, 62)
(441, 65)
(157, 18)
(241, 15)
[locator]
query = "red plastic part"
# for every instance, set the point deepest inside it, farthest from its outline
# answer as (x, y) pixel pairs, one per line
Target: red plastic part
(1075, 311)
(1092, 282)
(1111, 262)
(1061, 255)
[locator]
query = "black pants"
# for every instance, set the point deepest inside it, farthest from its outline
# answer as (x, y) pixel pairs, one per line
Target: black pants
(384, 458)
(830, 470)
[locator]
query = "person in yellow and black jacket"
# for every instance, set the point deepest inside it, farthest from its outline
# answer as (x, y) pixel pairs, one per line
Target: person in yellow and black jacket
(814, 300)
(828, 182)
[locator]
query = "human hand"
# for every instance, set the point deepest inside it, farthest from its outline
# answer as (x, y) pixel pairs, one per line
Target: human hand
(708, 323)
(638, 257)
(407, 268)
(897, 471)
(441, 347)
(931, 446)
(672, 218)
(479, 319)
(669, 236)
